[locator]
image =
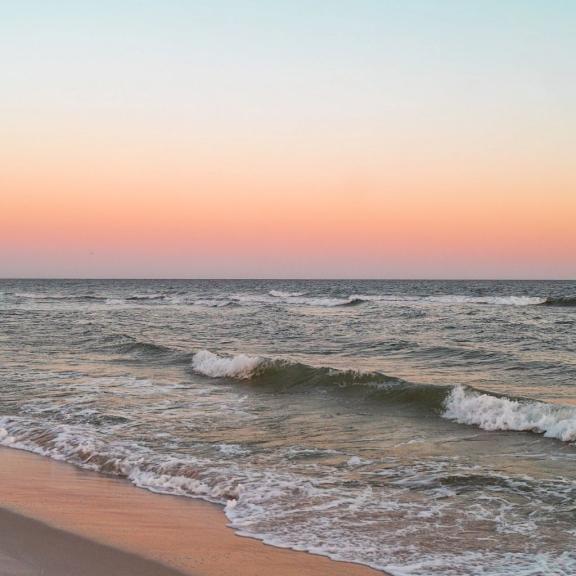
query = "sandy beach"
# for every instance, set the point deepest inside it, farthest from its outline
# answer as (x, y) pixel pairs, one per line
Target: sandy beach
(57, 520)
(31, 548)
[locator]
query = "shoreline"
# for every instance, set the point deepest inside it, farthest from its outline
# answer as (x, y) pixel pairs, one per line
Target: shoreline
(88, 516)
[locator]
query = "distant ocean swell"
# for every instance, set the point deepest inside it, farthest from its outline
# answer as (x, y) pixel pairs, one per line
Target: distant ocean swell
(277, 297)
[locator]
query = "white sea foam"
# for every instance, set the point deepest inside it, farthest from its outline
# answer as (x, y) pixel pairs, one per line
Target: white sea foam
(289, 509)
(240, 366)
(324, 302)
(496, 413)
(283, 294)
(456, 299)
(232, 450)
(81, 446)
(30, 295)
(296, 298)
(356, 461)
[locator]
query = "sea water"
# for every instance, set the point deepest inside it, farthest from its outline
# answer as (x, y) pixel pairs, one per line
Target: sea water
(419, 427)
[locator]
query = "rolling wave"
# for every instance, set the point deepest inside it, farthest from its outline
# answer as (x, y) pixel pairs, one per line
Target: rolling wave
(567, 301)
(489, 412)
(285, 374)
(461, 404)
(124, 344)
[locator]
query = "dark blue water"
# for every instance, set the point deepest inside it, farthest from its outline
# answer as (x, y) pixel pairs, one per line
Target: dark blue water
(421, 427)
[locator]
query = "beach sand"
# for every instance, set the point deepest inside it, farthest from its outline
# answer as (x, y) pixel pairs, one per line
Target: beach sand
(58, 520)
(32, 548)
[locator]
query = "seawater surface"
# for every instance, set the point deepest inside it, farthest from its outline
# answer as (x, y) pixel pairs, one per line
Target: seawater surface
(420, 427)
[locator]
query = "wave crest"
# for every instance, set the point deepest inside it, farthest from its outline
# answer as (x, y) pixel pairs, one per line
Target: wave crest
(489, 412)
(282, 375)
(284, 294)
(240, 366)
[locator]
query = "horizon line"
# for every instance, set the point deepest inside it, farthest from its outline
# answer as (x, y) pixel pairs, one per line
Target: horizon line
(292, 279)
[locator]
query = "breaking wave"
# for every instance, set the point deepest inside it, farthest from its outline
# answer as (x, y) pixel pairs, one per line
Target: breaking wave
(464, 405)
(489, 412)
(146, 297)
(280, 373)
(284, 294)
(240, 366)
(461, 404)
(299, 298)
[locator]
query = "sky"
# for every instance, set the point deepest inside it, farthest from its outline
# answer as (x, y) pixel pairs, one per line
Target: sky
(288, 138)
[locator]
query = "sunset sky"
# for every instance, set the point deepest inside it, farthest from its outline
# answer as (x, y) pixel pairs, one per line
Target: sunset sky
(288, 138)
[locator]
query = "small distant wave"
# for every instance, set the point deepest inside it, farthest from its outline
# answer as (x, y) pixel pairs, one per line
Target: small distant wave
(494, 300)
(326, 302)
(145, 297)
(133, 300)
(469, 406)
(214, 303)
(448, 299)
(59, 297)
(298, 299)
(567, 301)
(451, 299)
(294, 298)
(124, 344)
(283, 294)
(306, 299)
(240, 366)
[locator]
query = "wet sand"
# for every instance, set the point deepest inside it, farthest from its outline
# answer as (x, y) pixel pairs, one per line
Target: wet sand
(32, 548)
(57, 520)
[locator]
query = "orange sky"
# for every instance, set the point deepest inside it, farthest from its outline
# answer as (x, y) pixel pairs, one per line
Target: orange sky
(343, 161)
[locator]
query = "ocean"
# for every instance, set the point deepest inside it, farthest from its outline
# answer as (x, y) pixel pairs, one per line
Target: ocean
(424, 428)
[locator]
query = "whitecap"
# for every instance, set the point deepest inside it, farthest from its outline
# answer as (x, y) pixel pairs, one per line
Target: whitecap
(500, 413)
(240, 366)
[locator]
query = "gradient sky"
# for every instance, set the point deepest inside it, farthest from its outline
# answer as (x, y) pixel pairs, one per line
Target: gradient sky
(288, 138)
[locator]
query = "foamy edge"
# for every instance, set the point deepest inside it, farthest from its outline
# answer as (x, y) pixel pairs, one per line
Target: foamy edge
(499, 413)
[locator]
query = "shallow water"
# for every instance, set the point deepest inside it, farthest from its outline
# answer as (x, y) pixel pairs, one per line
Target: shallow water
(424, 428)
